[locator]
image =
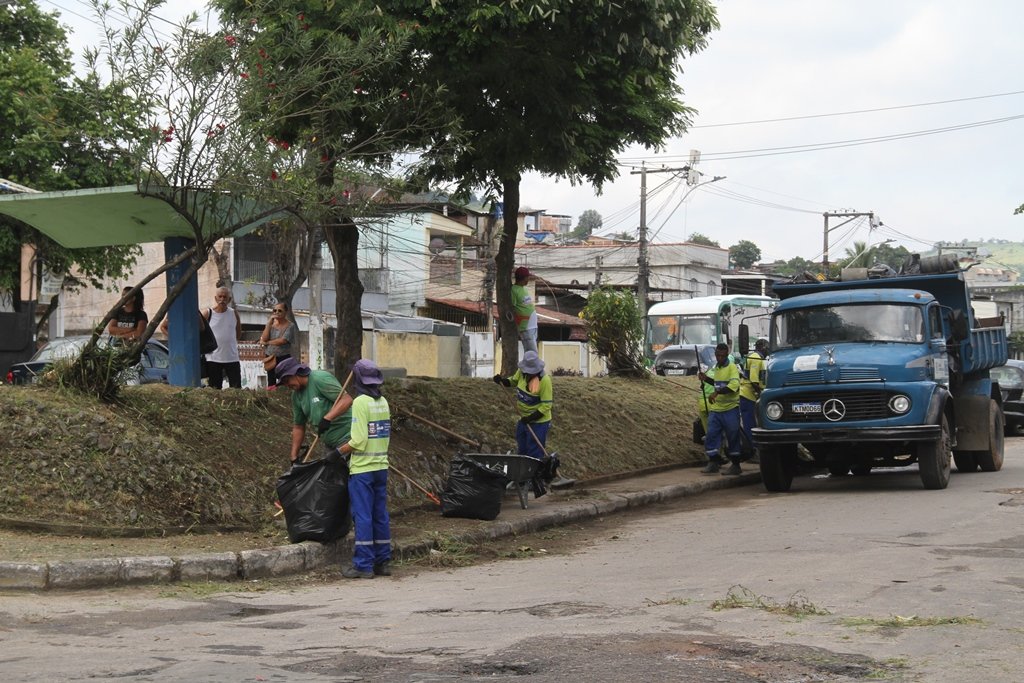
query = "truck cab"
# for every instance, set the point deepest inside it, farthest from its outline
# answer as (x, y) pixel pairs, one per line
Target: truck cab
(880, 372)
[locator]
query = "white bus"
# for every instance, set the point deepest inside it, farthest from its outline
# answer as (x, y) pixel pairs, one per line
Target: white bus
(706, 320)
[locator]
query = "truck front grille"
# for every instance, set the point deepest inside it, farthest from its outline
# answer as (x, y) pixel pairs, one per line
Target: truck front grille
(857, 405)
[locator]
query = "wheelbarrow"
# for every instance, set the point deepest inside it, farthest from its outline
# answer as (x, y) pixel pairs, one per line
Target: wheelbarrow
(519, 469)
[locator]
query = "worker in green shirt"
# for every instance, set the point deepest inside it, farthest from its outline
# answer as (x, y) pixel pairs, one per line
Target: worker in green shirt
(314, 401)
(723, 412)
(751, 383)
(523, 310)
(367, 452)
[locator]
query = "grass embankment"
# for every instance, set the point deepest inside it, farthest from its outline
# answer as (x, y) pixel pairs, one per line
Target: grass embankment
(166, 459)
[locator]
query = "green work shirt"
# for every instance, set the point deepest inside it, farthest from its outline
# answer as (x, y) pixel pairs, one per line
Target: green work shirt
(371, 434)
(529, 401)
(524, 312)
(727, 378)
(752, 376)
(310, 404)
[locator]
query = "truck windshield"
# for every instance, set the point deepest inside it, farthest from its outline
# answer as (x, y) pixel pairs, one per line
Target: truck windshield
(848, 323)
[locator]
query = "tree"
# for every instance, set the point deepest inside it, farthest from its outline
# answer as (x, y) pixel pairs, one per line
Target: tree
(555, 86)
(356, 106)
(59, 133)
(744, 254)
(860, 255)
(700, 238)
(590, 222)
(796, 266)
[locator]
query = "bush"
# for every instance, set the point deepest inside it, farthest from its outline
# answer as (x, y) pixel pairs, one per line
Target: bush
(615, 331)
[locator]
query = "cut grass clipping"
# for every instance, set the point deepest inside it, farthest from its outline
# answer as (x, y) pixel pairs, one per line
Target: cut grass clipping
(796, 606)
(896, 621)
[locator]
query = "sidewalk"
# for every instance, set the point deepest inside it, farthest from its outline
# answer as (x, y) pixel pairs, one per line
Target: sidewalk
(413, 536)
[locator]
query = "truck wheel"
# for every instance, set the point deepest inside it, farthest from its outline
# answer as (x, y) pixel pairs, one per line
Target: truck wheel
(965, 461)
(991, 460)
(861, 470)
(933, 459)
(778, 464)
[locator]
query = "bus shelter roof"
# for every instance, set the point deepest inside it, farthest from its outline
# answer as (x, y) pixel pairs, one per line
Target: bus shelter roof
(109, 216)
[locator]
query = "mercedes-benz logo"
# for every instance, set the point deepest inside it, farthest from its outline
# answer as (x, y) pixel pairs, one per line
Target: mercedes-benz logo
(834, 410)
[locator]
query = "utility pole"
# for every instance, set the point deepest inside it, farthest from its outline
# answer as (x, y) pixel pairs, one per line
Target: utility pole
(642, 261)
(873, 222)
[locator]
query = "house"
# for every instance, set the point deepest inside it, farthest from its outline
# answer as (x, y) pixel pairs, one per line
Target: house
(677, 271)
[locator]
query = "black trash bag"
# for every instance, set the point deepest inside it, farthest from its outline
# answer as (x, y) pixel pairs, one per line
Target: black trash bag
(473, 490)
(314, 496)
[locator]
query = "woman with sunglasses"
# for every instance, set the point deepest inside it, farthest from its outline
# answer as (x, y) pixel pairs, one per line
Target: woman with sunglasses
(278, 338)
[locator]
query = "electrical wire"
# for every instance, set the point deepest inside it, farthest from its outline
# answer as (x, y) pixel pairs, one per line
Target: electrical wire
(857, 111)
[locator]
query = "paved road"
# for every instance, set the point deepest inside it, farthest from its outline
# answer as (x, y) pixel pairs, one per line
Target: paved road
(874, 556)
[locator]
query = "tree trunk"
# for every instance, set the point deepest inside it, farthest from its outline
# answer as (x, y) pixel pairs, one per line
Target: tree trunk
(222, 259)
(504, 263)
(343, 240)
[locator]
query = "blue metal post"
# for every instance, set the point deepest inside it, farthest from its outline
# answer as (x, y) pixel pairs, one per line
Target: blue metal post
(182, 320)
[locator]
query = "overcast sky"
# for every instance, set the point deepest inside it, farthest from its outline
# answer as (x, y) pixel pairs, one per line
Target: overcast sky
(805, 60)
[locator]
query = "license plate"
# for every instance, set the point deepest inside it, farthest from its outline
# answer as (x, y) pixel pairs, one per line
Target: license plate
(806, 408)
(675, 372)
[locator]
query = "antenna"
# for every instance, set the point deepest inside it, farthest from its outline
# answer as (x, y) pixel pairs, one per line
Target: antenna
(437, 245)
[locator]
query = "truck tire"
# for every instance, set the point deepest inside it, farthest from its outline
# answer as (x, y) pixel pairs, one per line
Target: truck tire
(965, 461)
(861, 470)
(778, 464)
(991, 460)
(933, 459)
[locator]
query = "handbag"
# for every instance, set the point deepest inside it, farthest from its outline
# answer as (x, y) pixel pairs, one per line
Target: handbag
(207, 340)
(269, 363)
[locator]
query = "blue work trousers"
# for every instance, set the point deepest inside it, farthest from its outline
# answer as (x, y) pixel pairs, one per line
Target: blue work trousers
(368, 492)
(526, 444)
(723, 423)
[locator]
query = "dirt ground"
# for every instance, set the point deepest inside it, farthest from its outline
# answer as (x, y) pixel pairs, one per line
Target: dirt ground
(193, 470)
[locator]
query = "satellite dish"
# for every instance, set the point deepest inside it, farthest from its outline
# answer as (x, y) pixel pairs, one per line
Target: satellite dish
(437, 245)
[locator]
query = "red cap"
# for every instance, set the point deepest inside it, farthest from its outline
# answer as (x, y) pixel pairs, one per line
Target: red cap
(522, 272)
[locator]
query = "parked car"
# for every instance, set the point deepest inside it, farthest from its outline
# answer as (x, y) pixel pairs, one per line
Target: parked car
(1011, 386)
(682, 360)
(152, 367)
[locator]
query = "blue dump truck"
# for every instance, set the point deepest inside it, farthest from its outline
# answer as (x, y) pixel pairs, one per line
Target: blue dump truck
(881, 372)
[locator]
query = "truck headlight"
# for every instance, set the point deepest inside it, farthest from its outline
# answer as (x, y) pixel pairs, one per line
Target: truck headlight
(899, 404)
(773, 410)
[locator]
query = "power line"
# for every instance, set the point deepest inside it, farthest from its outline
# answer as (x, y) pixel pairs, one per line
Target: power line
(858, 111)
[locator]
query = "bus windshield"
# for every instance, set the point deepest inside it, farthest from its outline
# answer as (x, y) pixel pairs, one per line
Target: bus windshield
(848, 323)
(668, 330)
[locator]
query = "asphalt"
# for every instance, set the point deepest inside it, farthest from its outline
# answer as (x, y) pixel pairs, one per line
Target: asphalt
(585, 500)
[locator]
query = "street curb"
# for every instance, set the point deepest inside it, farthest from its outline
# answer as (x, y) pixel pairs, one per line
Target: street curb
(296, 558)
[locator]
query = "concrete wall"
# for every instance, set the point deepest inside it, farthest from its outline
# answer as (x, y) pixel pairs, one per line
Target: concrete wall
(425, 355)
(567, 355)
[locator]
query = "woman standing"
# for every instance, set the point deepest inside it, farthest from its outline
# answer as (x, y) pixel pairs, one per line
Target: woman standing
(130, 321)
(278, 338)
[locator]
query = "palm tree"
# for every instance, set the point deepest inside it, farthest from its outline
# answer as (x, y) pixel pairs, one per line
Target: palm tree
(857, 256)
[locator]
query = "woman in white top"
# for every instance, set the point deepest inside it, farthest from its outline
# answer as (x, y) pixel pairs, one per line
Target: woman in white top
(227, 329)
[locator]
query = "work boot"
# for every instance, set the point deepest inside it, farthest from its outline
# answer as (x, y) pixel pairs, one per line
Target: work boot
(382, 568)
(733, 470)
(714, 464)
(353, 573)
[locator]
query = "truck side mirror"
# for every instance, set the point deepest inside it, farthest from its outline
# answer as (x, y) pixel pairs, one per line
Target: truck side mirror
(744, 339)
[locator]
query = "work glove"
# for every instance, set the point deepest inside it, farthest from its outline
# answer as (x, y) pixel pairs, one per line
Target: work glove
(324, 425)
(532, 417)
(498, 379)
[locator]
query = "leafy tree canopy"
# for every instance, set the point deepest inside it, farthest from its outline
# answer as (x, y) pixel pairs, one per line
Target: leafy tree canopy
(59, 133)
(744, 254)
(590, 221)
(700, 238)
